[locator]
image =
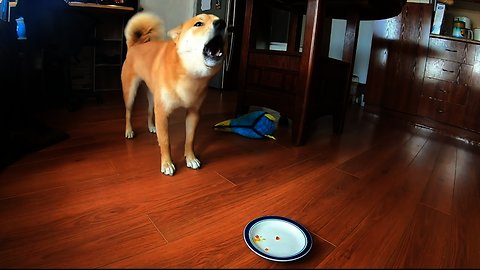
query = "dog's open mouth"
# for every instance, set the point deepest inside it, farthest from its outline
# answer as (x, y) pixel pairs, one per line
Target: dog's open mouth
(213, 51)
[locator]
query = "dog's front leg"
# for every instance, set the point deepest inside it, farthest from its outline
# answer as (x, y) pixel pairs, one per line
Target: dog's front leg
(161, 122)
(191, 122)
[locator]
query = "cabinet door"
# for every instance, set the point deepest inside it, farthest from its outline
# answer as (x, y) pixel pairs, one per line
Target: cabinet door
(399, 52)
(472, 116)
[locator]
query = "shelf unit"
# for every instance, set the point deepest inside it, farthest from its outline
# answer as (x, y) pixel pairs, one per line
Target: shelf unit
(468, 8)
(97, 67)
(108, 54)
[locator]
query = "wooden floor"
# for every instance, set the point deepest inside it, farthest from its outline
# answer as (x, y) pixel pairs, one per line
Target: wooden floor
(384, 194)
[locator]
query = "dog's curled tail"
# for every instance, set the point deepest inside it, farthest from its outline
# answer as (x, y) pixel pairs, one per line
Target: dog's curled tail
(143, 27)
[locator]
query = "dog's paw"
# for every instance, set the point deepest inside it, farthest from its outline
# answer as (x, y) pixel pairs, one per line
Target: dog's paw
(193, 163)
(152, 129)
(168, 168)
(129, 134)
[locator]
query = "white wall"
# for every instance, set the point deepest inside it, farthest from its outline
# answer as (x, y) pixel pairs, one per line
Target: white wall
(362, 57)
(364, 47)
(173, 12)
(337, 38)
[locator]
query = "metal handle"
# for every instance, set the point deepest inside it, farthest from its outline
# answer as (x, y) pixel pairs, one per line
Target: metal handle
(446, 70)
(435, 99)
(443, 91)
(228, 59)
(231, 21)
(450, 50)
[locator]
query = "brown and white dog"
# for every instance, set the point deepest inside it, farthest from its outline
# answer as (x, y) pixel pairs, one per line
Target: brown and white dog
(176, 72)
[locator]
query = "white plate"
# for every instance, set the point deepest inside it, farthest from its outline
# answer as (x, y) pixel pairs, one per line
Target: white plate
(277, 238)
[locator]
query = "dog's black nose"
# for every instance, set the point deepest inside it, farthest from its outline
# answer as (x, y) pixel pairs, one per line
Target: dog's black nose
(219, 25)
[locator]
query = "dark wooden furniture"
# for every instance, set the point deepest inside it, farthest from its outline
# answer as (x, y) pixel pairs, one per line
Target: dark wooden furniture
(451, 89)
(99, 64)
(446, 83)
(72, 49)
(398, 57)
(427, 79)
(284, 62)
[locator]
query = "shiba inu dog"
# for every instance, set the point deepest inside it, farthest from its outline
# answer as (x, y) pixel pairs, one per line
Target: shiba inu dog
(176, 72)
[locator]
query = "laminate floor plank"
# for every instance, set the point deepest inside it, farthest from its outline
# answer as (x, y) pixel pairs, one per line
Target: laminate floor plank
(426, 243)
(375, 238)
(381, 150)
(440, 188)
(382, 194)
(138, 194)
(466, 205)
(52, 174)
(84, 247)
(258, 197)
(74, 213)
(363, 198)
(205, 226)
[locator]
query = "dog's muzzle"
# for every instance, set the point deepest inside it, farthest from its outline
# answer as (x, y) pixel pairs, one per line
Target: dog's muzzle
(213, 50)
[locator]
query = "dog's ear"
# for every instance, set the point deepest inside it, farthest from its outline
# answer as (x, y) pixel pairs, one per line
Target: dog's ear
(174, 34)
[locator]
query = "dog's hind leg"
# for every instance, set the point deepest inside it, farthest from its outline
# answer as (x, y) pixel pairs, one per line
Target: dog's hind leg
(130, 84)
(151, 123)
(191, 122)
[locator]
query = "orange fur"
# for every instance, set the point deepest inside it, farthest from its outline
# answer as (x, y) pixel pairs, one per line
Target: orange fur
(144, 28)
(176, 72)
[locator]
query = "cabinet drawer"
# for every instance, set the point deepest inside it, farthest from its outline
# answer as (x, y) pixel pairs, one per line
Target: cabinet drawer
(449, 50)
(442, 111)
(474, 52)
(448, 71)
(445, 91)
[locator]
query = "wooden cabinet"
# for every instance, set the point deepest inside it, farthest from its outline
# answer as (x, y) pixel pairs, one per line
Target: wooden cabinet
(447, 82)
(397, 65)
(98, 66)
(451, 91)
(432, 80)
(472, 115)
(108, 52)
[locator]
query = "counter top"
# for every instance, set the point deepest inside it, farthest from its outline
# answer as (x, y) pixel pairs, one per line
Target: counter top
(93, 5)
(365, 9)
(456, 39)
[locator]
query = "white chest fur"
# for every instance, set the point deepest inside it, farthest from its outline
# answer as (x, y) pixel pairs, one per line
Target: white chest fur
(187, 95)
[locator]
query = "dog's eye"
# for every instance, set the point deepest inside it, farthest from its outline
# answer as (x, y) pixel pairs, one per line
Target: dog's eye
(198, 24)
